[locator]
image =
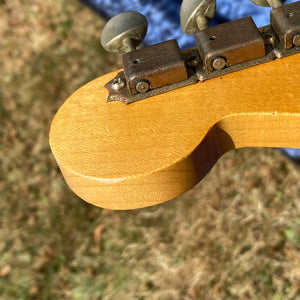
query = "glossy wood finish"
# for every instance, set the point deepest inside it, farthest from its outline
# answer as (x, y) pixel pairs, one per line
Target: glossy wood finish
(121, 156)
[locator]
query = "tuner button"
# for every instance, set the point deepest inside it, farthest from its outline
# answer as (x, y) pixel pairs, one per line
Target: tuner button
(124, 32)
(271, 3)
(196, 15)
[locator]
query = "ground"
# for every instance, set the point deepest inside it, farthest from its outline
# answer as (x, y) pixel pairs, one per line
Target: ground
(236, 235)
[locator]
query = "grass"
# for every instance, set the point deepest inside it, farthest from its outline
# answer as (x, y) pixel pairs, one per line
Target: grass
(234, 236)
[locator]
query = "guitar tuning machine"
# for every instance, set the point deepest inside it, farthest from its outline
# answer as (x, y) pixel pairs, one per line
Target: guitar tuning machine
(146, 69)
(219, 50)
(122, 34)
(284, 22)
(195, 16)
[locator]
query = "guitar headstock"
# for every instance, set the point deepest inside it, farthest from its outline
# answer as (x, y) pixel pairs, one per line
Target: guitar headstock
(176, 126)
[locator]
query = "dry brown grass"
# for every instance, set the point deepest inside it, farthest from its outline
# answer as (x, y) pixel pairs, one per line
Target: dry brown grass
(234, 236)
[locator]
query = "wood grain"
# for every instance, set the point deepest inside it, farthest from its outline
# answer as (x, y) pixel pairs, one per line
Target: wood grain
(121, 156)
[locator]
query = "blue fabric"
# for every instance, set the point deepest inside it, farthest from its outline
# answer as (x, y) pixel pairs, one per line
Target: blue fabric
(164, 21)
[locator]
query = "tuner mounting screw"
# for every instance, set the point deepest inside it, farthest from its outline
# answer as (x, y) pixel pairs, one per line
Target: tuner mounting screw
(270, 39)
(269, 36)
(219, 63)
(296, 39)
(193, 61)
(142, 86)
(117, 83)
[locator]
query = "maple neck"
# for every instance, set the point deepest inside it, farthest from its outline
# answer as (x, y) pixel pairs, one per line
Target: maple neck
(121, 156)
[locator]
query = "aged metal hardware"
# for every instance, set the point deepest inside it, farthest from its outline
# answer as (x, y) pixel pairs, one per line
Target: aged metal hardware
(196, 15)
(235, 42)
(118, 83)
(272, 3)
(124, 32)
(273, 48)
(142, 86)
(285, 21)
(296, 39)
(124, 95)
(159, 65)
(220, 50)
